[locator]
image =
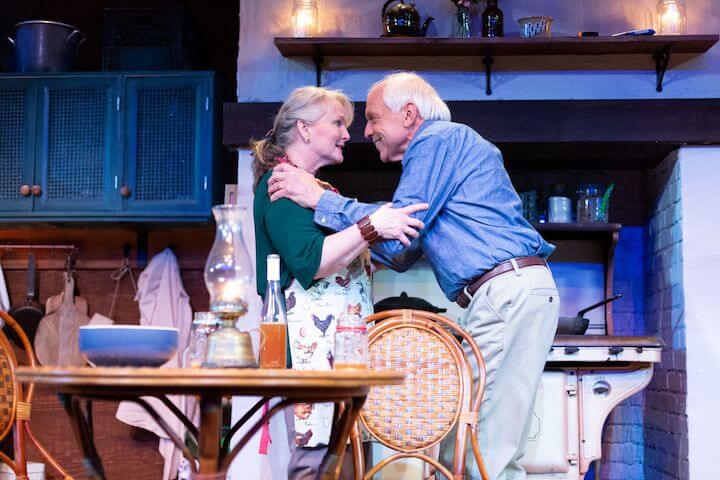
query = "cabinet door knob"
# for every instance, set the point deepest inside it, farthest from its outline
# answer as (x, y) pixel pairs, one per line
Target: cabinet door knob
(25, 190)
(125, 191)
(37, 190)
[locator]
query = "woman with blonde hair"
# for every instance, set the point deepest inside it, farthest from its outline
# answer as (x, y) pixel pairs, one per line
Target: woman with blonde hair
(322, 273)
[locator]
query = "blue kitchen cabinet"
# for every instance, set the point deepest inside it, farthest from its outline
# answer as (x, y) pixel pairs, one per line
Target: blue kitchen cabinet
(168, 145)
(17, 144)
(77, 147)
(99, 147)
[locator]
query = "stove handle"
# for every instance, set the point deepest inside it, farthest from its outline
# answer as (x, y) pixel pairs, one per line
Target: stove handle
(601, 387)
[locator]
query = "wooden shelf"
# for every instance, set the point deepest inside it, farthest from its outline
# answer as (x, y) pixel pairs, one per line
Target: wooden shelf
(607, 233)
(412, 46)
(575, 228)
(659, 46)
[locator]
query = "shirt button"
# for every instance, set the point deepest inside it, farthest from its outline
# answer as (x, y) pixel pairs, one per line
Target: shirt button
(323, 220)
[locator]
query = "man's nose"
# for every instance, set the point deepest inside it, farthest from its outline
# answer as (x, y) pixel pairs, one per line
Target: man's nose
(368, 130)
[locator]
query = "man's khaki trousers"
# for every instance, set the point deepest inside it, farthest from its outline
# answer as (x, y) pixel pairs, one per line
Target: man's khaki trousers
(512, 318)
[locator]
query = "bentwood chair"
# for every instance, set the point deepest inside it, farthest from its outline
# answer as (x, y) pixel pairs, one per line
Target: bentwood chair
(15, 404)
(438, 393)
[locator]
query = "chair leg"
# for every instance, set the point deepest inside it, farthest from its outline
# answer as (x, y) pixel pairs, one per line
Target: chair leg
(478, 456)
(19, 450)
(357, 450)
(63, 473)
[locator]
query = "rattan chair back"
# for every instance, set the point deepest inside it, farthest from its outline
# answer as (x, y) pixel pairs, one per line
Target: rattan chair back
(418, 414)
(8, 388)
(15, 403)
(438, 393)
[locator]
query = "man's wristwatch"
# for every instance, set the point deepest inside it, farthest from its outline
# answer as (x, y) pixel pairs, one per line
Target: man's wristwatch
(367, 230)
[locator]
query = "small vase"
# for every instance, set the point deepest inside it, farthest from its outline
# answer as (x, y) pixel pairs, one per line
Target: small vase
(462, 22)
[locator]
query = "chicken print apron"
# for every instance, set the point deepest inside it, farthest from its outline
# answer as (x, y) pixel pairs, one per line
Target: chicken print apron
(312, 317)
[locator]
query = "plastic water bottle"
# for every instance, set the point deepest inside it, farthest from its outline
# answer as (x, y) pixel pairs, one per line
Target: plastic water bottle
(351, 342)
(184, 470)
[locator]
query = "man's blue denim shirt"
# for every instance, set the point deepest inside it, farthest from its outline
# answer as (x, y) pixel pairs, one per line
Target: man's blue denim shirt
(475, 217)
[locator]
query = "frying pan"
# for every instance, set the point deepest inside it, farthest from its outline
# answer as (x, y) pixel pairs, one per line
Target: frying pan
(578, 324)
(29, 314)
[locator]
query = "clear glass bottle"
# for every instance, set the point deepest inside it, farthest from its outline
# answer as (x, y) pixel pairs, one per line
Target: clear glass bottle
(462, 22)
(351, 342)
(588, 203)
(305, 18)
(204, 323)
(492, 20)
(273, 323)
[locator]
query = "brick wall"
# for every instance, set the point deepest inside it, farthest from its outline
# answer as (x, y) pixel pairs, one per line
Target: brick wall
(623, 443)
(666, 430)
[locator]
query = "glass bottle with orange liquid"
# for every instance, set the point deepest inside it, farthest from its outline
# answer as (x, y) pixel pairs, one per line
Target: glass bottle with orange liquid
(273, 323)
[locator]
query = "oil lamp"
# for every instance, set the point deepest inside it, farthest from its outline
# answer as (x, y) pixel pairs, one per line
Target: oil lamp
(227, 278)
(671, 17)
(305, 18)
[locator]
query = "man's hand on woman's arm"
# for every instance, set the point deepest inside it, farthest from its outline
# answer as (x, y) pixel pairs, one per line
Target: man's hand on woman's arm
(295, 184)
(303, 188)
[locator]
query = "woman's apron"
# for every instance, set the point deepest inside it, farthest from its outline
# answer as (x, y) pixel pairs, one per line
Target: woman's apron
(312, 317)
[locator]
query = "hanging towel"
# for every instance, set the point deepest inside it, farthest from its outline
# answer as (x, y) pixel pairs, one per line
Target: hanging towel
(163, 302)
(4, 297)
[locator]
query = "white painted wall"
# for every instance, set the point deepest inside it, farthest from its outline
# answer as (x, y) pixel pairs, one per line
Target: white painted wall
(700, 177)
(264, 75)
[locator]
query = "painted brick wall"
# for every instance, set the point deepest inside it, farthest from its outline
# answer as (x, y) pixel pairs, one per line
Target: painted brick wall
(623, 443)
(666, 428)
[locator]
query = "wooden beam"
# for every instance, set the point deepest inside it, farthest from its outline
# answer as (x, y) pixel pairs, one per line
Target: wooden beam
(671, 122)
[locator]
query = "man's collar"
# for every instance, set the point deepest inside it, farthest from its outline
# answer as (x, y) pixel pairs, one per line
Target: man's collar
(420, 129)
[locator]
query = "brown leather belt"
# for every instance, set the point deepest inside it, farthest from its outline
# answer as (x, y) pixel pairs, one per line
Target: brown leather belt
(463, 299)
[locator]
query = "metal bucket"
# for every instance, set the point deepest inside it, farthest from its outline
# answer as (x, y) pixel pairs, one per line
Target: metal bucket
(45, 46)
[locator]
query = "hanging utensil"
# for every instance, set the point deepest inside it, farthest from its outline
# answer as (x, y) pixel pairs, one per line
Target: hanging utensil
(29, 314)
(57, 337)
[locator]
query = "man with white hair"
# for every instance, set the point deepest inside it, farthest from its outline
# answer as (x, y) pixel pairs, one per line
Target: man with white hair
(484, 254)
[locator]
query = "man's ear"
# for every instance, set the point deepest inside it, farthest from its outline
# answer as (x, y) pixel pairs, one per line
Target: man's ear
(410, 114)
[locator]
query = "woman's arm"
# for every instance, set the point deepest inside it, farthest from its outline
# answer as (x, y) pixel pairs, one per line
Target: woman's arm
(341, 248)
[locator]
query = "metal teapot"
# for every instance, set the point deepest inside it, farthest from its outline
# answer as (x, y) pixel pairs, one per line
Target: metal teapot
(403, 20)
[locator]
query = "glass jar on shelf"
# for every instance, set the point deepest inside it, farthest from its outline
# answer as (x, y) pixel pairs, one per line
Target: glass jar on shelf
(589, 199)
(204, 323)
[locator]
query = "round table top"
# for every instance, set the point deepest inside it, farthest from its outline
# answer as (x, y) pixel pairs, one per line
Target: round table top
(228, 381)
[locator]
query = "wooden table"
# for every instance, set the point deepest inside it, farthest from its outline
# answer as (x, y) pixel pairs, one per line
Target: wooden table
(82, 385)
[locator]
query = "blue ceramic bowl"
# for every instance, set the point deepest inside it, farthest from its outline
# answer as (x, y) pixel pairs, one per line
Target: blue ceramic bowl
(127, 345)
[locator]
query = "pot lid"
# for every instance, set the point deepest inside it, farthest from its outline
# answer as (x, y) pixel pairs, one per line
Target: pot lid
(404, 301)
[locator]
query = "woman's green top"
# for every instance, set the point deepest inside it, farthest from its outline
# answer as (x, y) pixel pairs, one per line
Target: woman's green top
(286, 228)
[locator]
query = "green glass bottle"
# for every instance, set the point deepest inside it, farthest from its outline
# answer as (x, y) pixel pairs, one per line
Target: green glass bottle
(492, 20)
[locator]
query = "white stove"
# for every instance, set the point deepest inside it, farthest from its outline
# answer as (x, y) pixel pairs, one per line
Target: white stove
(584, 379)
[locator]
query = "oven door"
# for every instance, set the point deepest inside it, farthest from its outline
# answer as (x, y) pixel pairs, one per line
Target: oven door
(552, 441)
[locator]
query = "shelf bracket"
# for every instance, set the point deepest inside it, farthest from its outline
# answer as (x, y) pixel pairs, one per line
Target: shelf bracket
(662, 60)
(318, 60)
(488, 61)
